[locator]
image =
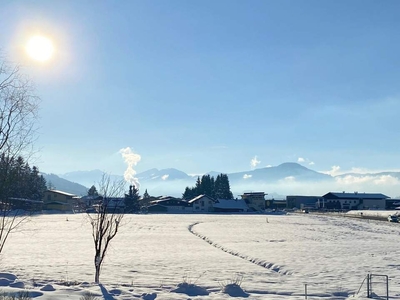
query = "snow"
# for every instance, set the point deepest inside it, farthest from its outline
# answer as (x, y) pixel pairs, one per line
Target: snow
(201, 256)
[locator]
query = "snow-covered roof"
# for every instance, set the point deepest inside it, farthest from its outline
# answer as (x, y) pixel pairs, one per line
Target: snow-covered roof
(58, 203)
(231, 204)
(199, 197)
(357, 195)
(25, 200)
(166, 198)
(62, 193)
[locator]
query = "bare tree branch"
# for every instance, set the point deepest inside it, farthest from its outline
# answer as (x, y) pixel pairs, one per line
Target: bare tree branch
(18, 116)
(106, 220)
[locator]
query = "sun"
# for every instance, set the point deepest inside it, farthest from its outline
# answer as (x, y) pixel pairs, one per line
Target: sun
(40, 48)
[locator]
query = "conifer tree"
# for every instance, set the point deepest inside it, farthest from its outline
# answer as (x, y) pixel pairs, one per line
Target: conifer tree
(93, 191)
(216, 188)
(132, 200)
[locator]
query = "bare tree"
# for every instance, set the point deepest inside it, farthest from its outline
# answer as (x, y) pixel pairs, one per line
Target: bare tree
(18, 111)
(18, 116)
(106, 220)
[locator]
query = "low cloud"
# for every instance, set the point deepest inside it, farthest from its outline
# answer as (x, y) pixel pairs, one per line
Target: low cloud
(302, 160)
(333, 172)
(383, 180)
(290, 179)
(254, 162)
(165, 177)
(246, 176)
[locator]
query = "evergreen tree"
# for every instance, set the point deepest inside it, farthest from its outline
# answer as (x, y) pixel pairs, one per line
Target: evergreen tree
(222, 187)
(18, 180)
(37, 184)
(93, 191)
(198, 187)
(132, 200)
(216, 188)
(189, 193)
(213, 187)
(206, 185)
(146, 195)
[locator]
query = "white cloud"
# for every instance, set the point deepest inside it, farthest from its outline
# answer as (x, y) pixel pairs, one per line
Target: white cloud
(383, 180)
(350, 180)
(302, 160)
(254, 162)
(245, 176)
(333, 172)
(290, 178)
(165, 177)
(387, 180)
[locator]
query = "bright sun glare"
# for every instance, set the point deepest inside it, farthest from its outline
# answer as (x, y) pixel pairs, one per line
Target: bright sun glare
(40, 48)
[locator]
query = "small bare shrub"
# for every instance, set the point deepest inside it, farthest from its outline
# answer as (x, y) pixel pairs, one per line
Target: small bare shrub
(88, 296)
(23, 295)
(233, 287)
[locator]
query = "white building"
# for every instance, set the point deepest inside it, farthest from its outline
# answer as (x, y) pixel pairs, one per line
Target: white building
(202, 203)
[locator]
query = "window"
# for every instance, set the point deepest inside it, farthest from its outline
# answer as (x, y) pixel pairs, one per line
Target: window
(202, 202)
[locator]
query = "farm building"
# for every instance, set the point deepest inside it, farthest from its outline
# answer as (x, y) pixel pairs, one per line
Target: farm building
(354, 200)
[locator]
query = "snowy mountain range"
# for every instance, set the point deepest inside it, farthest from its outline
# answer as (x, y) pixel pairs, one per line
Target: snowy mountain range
(284, 179)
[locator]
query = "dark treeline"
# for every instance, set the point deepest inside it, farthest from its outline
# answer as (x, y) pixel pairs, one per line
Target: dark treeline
(218, 188)
(19, 180)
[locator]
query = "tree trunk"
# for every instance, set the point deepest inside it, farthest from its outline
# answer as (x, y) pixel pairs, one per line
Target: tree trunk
(97, 275)
(97, 265)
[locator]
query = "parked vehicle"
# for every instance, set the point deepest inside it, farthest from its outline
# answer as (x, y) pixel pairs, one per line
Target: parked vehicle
(393, 219)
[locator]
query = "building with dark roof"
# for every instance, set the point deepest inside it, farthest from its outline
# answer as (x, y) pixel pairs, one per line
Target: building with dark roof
(230, 205)
(356, 200)
(302, 202)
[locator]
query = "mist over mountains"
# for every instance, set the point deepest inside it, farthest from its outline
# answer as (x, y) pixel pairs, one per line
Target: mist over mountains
(278, 181)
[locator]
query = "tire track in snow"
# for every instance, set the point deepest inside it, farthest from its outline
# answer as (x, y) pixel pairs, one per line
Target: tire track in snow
(259, 262)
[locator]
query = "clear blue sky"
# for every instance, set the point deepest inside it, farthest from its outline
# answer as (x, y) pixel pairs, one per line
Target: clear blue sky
(209, 85)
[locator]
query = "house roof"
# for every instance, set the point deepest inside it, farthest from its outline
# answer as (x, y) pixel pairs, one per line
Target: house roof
(62, 193)
(199, 197)
(231, 204)
(167, 198)
(58, 203)
(356, 195)
(25, 200)
(174, 202)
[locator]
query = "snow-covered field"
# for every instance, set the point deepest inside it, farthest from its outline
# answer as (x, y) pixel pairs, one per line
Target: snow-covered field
(274, 256)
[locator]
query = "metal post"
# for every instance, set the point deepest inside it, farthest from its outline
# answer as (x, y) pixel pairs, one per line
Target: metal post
(387, 287)
(305, 290)
(368, 286)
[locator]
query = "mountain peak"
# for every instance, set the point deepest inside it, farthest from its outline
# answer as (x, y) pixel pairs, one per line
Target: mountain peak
(291, 165)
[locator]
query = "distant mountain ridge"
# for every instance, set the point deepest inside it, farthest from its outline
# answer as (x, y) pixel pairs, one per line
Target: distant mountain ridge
(171, 181)
(64, 185)
(283, 171)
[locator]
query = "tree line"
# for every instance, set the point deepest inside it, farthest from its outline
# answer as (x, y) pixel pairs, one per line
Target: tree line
(19, 180)
(218, 188)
